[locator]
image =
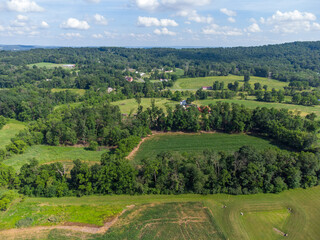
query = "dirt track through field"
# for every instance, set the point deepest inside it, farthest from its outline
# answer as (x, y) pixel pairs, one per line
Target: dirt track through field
(12, 233)
(136, 149)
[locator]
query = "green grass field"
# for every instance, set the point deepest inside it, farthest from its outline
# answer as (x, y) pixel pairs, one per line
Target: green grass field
(9, 130)
(196, 83)
(170, 216)
(196, 143)
(47, 65)
(131, 105)
(80, 92)
(49, 154)
(303, 110)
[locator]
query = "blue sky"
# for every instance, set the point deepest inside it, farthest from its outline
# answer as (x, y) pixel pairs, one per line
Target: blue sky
(203, 23)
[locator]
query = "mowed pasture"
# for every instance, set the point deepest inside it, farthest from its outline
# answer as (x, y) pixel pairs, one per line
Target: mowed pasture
(80, 92)
(49, 154)
(196, 143)
(131, 106)
(297, 109)
(9, 131)
(196, 83)
(264, 216)
(49, 65)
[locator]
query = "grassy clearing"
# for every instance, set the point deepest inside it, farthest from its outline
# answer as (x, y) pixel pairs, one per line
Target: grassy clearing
(298, 109)
(196, 143)
(53, 214)
(49, 154)
(167, 221)
(262, 213)
(47, 65)
(131, 105)
(80, 92)
(196, 83)
(9, 130)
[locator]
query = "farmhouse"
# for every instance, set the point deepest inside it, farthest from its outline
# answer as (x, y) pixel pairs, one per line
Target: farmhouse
(69, 66)
(183, 103)
(110, 89)
(129, 79)
(206, 88)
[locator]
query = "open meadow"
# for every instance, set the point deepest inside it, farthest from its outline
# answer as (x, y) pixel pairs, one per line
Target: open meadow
(130, 105)
(196, 83)
(48, 65)
(80, 92)
(9, 131)
(264, 216)
(49, 154)
(196, 143)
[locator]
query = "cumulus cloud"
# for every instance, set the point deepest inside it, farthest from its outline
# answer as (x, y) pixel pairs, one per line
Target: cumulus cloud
(22, 18)
(44, 24)
(151, 5)
(97, 36)
(164, 31)
(253, 28)
(71, 35)
(111, 34)
(149, 22)
(73, 23)
(215, 29)
(99, 19)
(92, 1)
(192, 15)
(291, 22)
(23, 6)
(228, 12)
(231, 19)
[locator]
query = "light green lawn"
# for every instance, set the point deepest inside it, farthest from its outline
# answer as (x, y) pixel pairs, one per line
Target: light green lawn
(49, 154)
(48, 65)
(196, 143)
(80, 92)
(128, 105)
(261, 213)
(196, 83)
(9, 130)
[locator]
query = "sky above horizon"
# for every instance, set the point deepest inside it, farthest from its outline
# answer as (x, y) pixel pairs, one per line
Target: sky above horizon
(141, 23)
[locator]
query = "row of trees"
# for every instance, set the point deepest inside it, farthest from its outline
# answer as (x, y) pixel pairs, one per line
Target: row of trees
(247, 171)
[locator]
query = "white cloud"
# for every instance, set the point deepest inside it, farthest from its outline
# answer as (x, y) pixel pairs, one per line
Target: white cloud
(93, 1)
(316, 26)
(97, 35)
(291, 22)
(22, 18)
(149, 5)
(215, 29)
(23, 6)
(2, 28)
(111, 34)
(253, 28)
(44, 24)
(149, 22)
(73, 23)
(71, 35)
(99, 19)
(227, 12)
(164, 31)
(192, 15)
(231, 19)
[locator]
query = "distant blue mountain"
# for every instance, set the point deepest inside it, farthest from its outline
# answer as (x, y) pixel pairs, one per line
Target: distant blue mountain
(22, 47)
